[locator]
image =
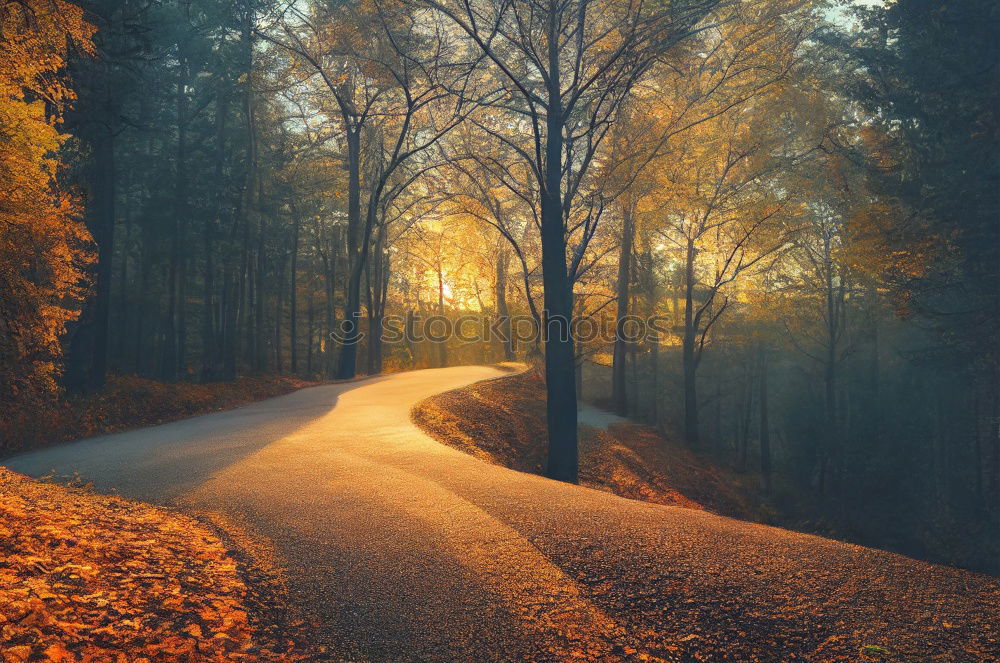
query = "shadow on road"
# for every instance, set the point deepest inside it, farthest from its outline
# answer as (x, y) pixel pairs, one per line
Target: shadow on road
(160, 463)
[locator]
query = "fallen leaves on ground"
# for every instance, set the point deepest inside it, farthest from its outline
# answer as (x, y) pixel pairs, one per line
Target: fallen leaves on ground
(503, 422)
(93, 579)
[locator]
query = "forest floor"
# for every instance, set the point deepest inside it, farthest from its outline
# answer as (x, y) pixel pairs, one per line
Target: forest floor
(85, 577)
(503, 422)
(88, 578)
(128, 402)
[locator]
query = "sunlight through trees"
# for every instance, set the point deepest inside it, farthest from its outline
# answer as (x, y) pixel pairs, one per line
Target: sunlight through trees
(768, 228)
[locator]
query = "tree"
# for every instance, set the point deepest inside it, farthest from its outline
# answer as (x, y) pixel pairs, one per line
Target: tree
(44, 248)
(491, 189)
(97, 122)
(562, 70)
(927, 77)
(726, 218)
(387, 92)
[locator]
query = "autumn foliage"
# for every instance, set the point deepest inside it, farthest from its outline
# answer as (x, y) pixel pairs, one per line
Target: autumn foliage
(43, 244)
(85, 578)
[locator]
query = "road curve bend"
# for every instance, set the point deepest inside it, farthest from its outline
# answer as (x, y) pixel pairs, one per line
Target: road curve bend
(404, 549)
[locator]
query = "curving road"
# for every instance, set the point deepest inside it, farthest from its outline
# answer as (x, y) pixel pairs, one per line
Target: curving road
(405, 549)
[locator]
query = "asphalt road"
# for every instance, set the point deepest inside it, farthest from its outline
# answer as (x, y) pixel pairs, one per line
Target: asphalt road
(405, 549)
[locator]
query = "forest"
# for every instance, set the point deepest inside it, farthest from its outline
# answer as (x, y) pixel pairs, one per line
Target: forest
(767, 228)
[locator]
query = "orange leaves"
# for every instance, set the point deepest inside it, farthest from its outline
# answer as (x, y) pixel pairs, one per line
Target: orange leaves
(37, 35)
(193, 630)
(43, 245)
(503, 422)
(95, 579)
(57, 653)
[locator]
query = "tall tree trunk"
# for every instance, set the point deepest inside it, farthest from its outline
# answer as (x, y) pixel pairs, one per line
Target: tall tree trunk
(578, 350)
(228, 322)
(310, 312)
(235, 306)
(145, 267)
(241, 340)
(326, 345)
(182, 296)
(503, 312)
(829, 459)
(746, 411)
(619, 390)
(875, 364)
(279, 310)
(259, 329)
(88, 352)
(293, 295)
(560, 358)
(765, 427)
(239, 346)
(376, 303)
(173, 332)
(140, 348)
(210, 334)
(442, 346)
(124, 320)
(409, 328)
(347, 364)
(249, 338)
(209, 351)
(385, 262)
(690, 361)
(654, 367)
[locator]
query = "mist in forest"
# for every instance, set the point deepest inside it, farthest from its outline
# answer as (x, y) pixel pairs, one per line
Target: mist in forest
(768, 229)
